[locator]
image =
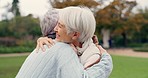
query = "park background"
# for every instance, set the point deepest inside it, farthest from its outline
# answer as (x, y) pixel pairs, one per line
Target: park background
(121, 24)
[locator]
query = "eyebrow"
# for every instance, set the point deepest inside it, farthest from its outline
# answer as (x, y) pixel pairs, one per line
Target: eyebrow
(60, 24)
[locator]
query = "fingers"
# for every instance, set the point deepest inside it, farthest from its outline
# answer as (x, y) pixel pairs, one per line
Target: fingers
(41, 45)
(102, 50)
(38, 44)
(37, 48)
(95, 39)
(44, 41)
(50, 41)
(47, 43)
(96, 42)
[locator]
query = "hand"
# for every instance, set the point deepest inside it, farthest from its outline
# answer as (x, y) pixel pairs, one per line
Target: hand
(102, 50)
(42, 41)
(94, 60)
(95, 40)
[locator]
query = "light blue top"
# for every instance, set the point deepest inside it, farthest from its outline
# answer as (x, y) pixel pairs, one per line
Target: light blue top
(60, 61)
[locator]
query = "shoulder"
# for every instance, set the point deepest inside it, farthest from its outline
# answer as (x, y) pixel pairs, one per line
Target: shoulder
(63, 48)
(58, 46)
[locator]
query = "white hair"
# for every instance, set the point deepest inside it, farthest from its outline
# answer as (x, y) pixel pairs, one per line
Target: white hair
(79, 19)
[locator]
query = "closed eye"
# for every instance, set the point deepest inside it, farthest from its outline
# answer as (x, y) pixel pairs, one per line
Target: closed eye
(60, 25)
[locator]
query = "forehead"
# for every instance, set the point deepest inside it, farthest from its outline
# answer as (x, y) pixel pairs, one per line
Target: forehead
(61, 22)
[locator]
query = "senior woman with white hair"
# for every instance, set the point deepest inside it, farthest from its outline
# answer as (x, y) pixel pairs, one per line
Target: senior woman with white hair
(47, 25)
(60, 61)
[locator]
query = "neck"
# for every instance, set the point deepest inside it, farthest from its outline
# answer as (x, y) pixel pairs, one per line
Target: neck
(77, 44)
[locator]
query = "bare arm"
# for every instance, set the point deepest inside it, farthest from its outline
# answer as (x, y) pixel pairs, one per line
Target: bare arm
(42, 41)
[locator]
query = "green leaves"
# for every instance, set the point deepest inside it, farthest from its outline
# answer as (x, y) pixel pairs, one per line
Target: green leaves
(20, 27)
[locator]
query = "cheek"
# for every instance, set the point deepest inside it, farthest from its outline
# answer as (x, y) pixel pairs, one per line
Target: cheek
(64, 31)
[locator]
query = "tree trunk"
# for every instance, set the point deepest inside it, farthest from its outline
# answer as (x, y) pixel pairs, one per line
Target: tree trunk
(124, 39)
(106, 37)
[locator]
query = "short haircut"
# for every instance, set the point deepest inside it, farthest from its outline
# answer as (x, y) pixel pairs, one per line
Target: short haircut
(79, 19)
(49, 22)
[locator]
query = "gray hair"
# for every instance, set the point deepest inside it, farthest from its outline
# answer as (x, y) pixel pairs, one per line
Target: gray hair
(79, 19)
(49, 22)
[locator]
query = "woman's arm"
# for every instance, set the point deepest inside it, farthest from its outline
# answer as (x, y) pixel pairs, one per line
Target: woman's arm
(103, 68)
(42, 41)
(49, 42)
(94, 59)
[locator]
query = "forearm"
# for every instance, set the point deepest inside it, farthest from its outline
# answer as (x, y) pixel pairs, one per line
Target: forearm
(94, 59)
(101, 69)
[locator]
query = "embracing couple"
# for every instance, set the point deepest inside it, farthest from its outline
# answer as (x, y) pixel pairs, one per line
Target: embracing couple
(70, 50)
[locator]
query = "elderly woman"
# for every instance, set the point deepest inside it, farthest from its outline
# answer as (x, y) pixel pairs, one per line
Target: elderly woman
(60, 61)
(90, 56)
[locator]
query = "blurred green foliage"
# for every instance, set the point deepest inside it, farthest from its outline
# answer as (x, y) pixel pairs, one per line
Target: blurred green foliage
(20, 46)
(19, 34)
(20, 27)
(19, 31)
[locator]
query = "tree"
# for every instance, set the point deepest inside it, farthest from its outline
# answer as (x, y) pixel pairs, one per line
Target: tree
(26, 26)
(114, 18)
(65, 3)
(15, 8)
(142, 36)
(92, 4)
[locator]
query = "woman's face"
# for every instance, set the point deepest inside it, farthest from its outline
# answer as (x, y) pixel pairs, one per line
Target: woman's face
(61, 33)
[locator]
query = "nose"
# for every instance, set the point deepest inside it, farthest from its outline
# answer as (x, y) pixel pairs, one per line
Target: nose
(56, 28)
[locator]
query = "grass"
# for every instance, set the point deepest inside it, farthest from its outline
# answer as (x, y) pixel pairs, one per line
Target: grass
(9, 66)
(124, 67)
(129, 67)
(15, 49)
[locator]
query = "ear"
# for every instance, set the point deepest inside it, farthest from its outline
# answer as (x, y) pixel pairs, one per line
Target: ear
(76, 35)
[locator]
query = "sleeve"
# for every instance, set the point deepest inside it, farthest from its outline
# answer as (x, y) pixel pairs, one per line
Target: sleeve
(101, 69)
